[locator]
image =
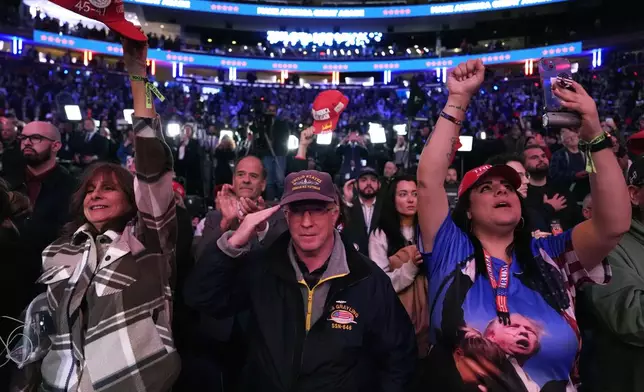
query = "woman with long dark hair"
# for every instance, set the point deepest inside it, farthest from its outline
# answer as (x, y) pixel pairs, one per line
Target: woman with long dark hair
(395, 232)
(488, 277)
(108, 277)
(392, 245)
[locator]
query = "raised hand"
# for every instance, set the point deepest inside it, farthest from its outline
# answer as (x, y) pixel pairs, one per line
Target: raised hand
(306, 137)
(227, 204)
(135, 55)
(582, 103)
(247, 206)
(347, 190)
(466, 78)
(557, 202)
(249, 226)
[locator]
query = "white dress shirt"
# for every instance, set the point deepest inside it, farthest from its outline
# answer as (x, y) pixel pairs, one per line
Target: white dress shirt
(367, 211)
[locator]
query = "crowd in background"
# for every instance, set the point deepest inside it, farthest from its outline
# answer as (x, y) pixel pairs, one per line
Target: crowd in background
(230, 152)
(502, 115)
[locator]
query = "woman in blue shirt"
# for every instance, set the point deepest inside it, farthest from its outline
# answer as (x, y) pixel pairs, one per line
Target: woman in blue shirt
(501, 302)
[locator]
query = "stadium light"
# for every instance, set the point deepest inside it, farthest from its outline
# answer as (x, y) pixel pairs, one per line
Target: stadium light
(73, 113)
(377, 133)
(401, 129)
(127, 115)
(466, 143)
(173, 129)
(321, 39)
(324, 139)
(597, 58)
(293, 142)
(226, 132)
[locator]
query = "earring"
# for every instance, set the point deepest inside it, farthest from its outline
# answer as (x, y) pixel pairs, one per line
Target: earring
(522, 224)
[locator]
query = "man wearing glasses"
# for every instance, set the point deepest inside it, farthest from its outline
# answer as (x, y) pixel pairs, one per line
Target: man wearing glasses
(323, 317)
(48, 185)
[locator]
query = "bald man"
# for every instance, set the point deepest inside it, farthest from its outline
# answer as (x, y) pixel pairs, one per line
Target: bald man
(39, 143)
(48, 185)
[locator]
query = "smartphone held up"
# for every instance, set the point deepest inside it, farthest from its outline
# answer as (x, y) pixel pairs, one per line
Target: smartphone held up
(556, 70)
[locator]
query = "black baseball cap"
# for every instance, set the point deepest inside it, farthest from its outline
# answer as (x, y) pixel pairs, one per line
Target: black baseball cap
(366, 170)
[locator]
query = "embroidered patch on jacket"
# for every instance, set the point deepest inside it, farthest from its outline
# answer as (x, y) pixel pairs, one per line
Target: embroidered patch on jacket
(342, 316)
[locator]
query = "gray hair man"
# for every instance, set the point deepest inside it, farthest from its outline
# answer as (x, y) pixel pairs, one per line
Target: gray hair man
(311, 296)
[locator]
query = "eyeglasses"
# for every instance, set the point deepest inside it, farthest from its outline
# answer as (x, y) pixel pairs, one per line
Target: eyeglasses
(34, 139)
(313, 210)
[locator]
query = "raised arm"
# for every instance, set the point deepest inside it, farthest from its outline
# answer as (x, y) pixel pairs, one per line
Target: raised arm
(300, 161)
(595, 238)
(153, 160)
(462, 82)
(219, 283)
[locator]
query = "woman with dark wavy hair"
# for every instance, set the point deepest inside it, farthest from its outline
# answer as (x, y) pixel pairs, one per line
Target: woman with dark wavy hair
(108, 277)
(392, 245)
(120, 206)
(395, 232)
(483, 263)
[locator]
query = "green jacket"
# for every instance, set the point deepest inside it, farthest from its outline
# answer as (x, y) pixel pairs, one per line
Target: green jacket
(616, 319)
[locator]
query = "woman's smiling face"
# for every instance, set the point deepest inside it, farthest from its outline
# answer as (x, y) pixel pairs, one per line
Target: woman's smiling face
(105, 200)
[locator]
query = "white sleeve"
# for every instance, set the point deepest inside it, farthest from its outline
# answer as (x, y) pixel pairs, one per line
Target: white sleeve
(402, 277)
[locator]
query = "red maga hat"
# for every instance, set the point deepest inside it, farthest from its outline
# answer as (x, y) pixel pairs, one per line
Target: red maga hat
(109, 12)
(327, 108)
(471, 177)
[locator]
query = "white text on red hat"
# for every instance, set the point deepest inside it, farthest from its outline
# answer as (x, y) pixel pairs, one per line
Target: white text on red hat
(321, 115)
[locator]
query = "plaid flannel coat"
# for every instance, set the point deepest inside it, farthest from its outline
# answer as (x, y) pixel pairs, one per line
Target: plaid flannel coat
(126, 341)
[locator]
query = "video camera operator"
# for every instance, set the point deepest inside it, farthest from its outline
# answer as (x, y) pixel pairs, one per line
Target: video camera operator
(270, 144)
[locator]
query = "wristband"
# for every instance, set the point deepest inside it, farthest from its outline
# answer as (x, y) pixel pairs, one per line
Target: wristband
(149, 90)
(597, 144)
(451, 118)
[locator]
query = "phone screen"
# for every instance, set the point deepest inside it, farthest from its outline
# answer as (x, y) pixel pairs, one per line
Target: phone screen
(549, 70)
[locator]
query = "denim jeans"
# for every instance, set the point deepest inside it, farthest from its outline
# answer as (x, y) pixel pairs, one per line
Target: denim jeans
(275, 169)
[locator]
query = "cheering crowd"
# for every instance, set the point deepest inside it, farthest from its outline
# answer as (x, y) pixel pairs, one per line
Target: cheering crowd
(388, 272)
